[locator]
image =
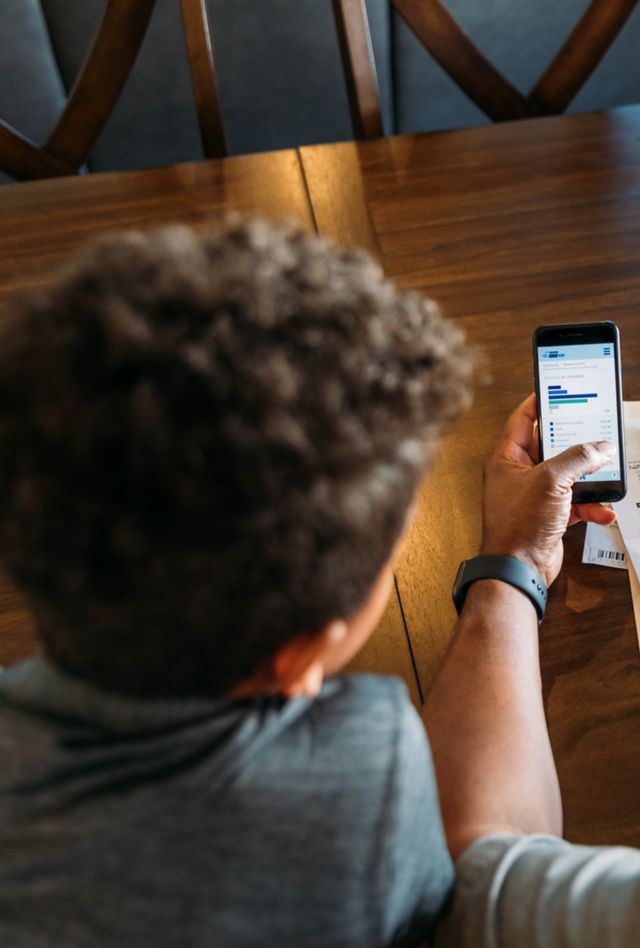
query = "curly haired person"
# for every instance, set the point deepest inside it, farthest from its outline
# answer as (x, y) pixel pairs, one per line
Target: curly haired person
(210, 444)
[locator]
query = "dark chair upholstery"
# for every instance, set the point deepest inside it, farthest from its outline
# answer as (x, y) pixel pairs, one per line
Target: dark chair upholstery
(278, 68)
(110, 57)
(557, 83)
(32, 93)
(279, 72)
(520, 37)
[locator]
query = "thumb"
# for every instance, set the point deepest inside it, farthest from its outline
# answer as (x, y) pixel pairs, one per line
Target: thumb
(579, 460)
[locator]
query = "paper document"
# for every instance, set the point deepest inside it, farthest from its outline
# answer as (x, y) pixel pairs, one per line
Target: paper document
(619, 544)
(628, 509)
(604, 546)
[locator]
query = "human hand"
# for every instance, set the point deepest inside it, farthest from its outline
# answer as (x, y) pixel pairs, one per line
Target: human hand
(527, 505)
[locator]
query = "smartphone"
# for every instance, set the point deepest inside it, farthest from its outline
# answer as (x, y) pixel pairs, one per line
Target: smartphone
(579, 395)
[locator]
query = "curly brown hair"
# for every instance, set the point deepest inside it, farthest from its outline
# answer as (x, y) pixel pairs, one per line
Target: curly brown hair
(209, 443)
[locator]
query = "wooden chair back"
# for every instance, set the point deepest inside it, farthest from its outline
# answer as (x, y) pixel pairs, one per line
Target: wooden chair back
(441, 34)
(99, 84)
(199, 41)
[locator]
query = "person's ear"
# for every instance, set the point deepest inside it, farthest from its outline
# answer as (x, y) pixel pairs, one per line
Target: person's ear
(298, 668)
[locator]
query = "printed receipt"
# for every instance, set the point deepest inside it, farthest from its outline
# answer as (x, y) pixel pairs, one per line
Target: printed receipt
(619, 544)
(604, 546)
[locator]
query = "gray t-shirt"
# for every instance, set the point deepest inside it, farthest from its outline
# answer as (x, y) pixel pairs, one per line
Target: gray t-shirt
(263, 822)
(542, 892)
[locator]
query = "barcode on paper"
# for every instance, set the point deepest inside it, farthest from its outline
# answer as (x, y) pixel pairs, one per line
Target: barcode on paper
(603, 546)
(610, 555)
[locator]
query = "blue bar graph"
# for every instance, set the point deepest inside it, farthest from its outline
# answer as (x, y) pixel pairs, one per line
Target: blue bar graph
(561, 396)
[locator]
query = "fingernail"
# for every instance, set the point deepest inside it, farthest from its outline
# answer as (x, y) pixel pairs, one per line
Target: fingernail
(606, 448)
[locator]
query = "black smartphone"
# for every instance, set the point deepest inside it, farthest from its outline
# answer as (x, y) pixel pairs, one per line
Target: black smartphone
(579, 395)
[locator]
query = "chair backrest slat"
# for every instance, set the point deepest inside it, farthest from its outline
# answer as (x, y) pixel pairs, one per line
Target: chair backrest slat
(580, 54)
(450, 46)
(361, 78)
(101, 79)
(203, 77)
(123, 26)
(99, 84)
(24, 160)
(462, 60)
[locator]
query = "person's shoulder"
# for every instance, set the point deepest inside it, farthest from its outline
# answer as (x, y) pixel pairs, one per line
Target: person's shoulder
(370, 691)
(394, 800)
(377, 702)
(374, 713)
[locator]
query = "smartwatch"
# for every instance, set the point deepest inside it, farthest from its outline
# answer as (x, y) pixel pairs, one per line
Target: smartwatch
(508, 569)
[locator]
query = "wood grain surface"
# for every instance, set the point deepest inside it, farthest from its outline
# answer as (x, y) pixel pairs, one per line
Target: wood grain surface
(510, 227)
(42, 223)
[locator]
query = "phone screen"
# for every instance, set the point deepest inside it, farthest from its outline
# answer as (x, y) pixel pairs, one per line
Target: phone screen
(578, 401)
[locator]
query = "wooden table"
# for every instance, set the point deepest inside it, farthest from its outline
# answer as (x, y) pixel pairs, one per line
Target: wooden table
(509, 227)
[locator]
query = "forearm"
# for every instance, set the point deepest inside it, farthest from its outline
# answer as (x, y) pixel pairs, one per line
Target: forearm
(486, 724)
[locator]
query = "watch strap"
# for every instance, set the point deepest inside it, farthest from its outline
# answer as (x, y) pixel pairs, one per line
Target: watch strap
(508, 569)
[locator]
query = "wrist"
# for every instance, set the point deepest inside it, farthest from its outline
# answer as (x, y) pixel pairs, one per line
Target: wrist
(517, 552)
(497, 595)
(545, 565)
(507, 570)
